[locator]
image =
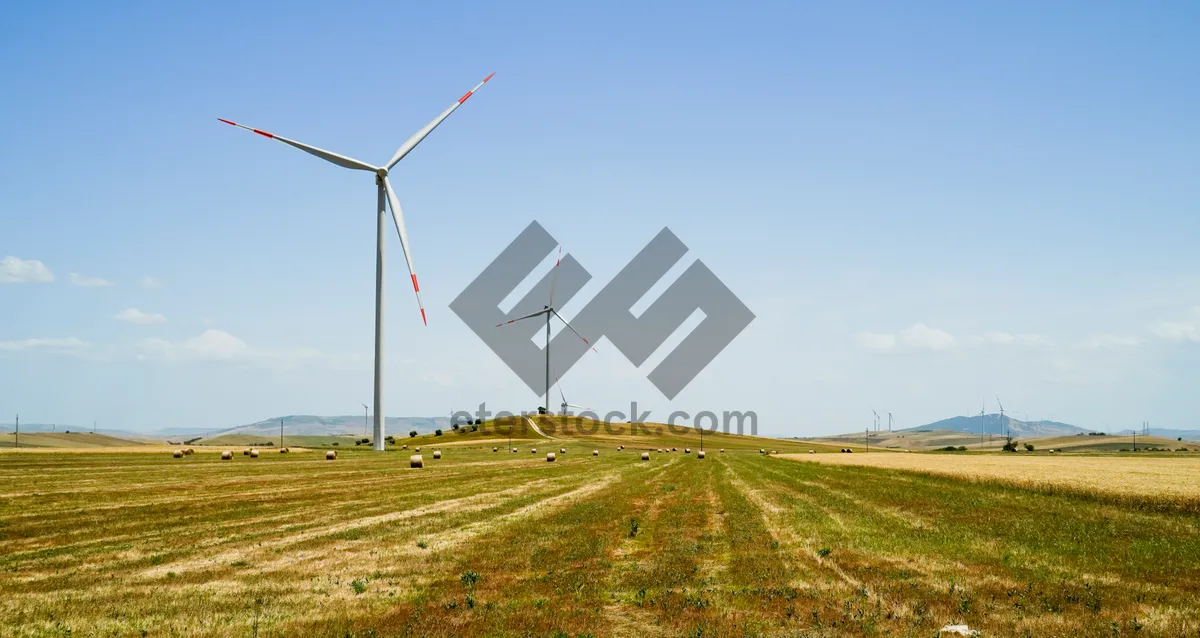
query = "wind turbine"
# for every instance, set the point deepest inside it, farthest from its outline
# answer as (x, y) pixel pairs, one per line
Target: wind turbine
(549, 310)
(889, 421)
(566, 405)
(1001, 416)
(385, 197)
(876, 419)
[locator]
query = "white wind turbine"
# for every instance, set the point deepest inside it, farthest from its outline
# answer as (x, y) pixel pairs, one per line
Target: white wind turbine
(549, 310)
(385, 197)
(566, 405)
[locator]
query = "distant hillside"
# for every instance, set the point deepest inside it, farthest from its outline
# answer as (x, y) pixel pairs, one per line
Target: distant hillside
(1186, 435)
(310, 425)
(991, 424)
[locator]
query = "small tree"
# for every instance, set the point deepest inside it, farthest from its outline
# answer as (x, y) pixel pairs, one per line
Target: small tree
(1009, 444)
(412, 433)
(1029, 447)
(437, 432)
(454, 426)
(478, 421)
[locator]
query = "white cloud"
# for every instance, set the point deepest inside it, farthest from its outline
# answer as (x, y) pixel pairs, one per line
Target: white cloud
(920, 335)
(133, 315)
(1183, 330)
(218, 345)
(877, 341)
(150, 282)
(915, 337)
(1104, 340)
(89, 282)
(69, 343)
(14, 270)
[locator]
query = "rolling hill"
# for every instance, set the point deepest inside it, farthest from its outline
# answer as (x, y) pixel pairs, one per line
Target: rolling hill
(991, 424)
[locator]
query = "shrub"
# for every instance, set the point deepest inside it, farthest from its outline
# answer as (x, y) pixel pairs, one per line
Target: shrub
(469, 579)
(1009, 444)
(437, 432)
(474, 428)
(478, 421)
(948, 448)
(412, 433)
(1029, 447)
(358, 586)
(422, 544)
(824, 551)
(633, 527)
(962, 448)
(454, 426)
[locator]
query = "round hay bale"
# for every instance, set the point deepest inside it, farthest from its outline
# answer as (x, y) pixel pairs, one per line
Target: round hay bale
(514, 450)
(660, 450)
(283, 450)
(416, 461)
(246, 452)
(253, 454)
(178, 454)
(674, 449)
(700, 454)
(645, 456)
(761, 451)
(189, 451)
(404, 447)
(849, 450)
(812, 452)
(687, 450)
(595, 452)
(330, 455)
(437, 454)
(417, 450)
(722, 450)
(495, 449)
(533, 450)
(774, 452)
(562, 450)
(227, 455)
(550, 457)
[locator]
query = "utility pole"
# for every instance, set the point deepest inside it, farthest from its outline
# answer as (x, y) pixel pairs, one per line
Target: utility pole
(18, 434)
(868, 439)
(365, 419)
(982, 425)
(281, 434)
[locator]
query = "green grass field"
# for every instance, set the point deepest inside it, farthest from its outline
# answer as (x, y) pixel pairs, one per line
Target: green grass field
(504, 544)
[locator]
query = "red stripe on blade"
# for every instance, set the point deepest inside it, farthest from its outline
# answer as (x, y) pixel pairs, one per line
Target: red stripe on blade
(227, 122)
(488, 77)
(464, 98)
(423, 317)
(415, 286)
(263, 133)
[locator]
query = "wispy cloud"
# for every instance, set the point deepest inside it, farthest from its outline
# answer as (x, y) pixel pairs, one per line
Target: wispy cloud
(14, 270)
(133, 315)
(89, 282)
(915, 337)
(1105, 340)
(1179, 330)
(219, 345)
(150, 282)
(66, 344)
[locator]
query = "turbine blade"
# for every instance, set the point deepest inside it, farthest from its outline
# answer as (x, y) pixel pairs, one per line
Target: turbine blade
(554, 280)
(329, 156)
(565, 323)
(528, 316)
(416, 138)
(560, 391)
(398, 218)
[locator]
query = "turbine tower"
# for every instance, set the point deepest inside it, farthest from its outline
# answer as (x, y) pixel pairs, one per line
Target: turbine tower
(1001, 416)
(876, 419)
(549, 310)
(385, 197)
(889, 421)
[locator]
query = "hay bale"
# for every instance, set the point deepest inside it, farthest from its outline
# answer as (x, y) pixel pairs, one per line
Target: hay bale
(774, 452)
(246, 452)
(189, 452)
(660, 450)
(687, 450)
(253, 454)
(700, 454)
(330, 455)
(812, 452)
(178, 454)
(283, 450)
(514, 450)
(562, 450)
(533, 450)
(761, 451)
(416, 461)
(495, 449)
(417, 450)
(674, 449)
(595, 452)
(227, 455)
(404, 447)
(437, 454)
(722, 450)
(645, 456)
(550, 457)
(849, 450)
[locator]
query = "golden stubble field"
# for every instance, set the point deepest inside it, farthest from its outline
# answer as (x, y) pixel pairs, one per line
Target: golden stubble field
(504, 544)
(1172, 480)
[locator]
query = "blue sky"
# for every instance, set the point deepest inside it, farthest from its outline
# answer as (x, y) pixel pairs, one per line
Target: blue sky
(925, 206)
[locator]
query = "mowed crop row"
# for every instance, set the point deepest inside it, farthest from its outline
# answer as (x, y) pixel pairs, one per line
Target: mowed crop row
(508, 544)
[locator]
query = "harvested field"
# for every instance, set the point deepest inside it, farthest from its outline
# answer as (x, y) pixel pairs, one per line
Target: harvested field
(487, 544)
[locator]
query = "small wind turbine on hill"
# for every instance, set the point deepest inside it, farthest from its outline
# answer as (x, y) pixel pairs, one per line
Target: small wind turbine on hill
(548, 310)
(876, 422)
(566, 405)
(385, 197)
(1001, 416)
